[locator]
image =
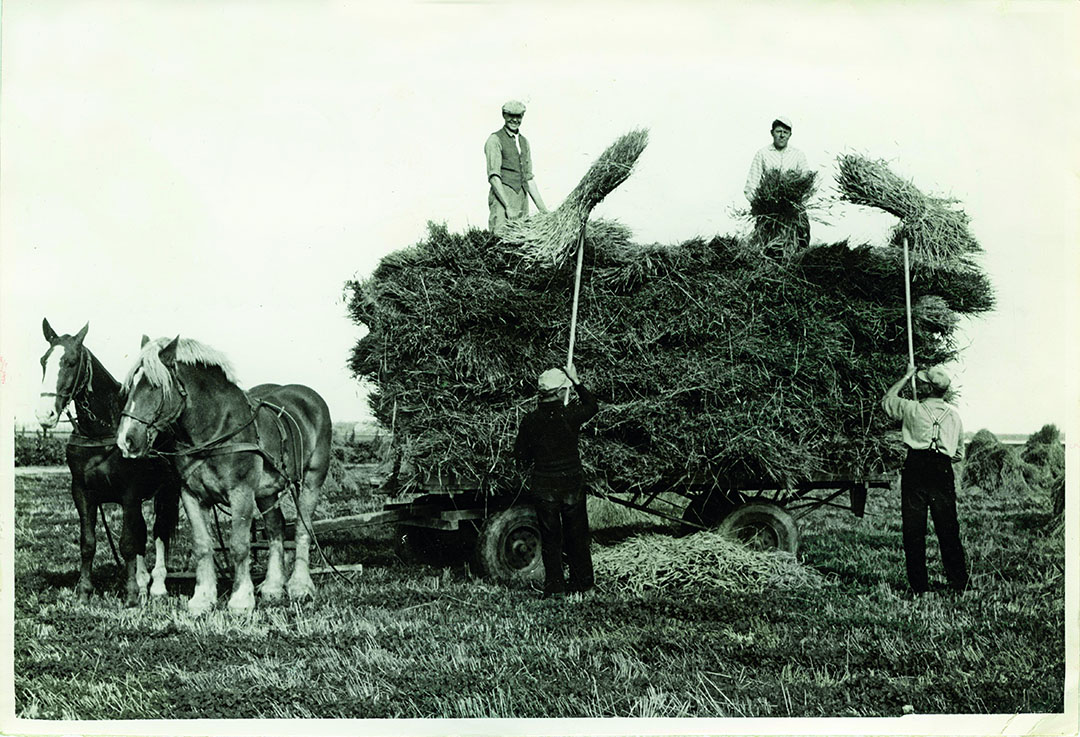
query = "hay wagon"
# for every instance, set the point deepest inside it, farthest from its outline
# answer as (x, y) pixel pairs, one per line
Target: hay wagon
(446, 514)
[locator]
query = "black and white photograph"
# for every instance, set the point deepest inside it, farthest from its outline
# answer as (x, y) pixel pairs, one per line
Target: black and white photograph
(516, 367)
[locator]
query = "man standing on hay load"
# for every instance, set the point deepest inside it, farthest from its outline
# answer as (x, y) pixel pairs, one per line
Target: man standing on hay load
(782, 157)
(932, 430)
(510, 170)
(548, 441)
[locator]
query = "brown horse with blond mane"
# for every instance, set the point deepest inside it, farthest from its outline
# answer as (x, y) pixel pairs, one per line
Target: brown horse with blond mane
(235, 448)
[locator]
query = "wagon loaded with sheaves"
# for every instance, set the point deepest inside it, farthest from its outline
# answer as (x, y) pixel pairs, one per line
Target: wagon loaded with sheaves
(736, 389)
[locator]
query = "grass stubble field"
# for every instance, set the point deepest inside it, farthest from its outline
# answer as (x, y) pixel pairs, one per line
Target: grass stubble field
(407, 640)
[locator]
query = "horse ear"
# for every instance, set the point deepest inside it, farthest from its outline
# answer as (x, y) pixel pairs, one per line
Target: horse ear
(46, 328)
(81, 336)
(145, 340)
(168, 353)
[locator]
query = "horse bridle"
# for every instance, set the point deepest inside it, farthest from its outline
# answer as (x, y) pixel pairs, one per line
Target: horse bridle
(156, 423)
(77, 386)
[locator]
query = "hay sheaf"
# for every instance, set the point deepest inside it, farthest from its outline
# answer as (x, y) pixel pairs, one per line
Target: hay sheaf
(707, 560)
(993, 466)
(705, 357)
(936, 228)
(548, 238)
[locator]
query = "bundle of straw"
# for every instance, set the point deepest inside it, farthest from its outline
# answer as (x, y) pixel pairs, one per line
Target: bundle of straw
(550, 237)
(936, 230)
(994, 467)
(783, 194)
(707, 560)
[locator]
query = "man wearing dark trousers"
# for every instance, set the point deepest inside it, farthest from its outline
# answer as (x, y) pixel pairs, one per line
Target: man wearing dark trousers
(932, 431)
(547, 441)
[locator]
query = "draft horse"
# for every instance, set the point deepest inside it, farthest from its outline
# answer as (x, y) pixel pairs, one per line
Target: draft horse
(72, 375)
(235, 448)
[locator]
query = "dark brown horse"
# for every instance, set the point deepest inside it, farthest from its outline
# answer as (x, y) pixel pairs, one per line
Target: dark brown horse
(99, 475)
(235, 448)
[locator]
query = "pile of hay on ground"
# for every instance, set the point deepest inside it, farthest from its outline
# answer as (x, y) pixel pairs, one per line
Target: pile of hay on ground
(936, 229)
(707, 357)
(708, 560)
(993, 466)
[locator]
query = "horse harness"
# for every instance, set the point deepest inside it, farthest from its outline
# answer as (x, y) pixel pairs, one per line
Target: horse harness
(221, 444)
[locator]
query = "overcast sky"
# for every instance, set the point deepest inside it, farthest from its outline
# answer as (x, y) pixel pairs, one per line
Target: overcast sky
(218, 170)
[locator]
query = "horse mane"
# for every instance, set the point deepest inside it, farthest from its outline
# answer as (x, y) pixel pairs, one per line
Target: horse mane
(188, 351)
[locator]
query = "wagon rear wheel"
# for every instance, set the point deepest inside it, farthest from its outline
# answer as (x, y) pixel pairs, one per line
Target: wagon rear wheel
(508, 546)
(762, 526)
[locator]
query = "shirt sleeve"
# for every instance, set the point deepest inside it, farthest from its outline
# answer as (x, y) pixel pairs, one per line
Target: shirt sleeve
(800, 162)
(959, 454)
(894, 406)
(585, 408)
(754, 177)
(493, 154)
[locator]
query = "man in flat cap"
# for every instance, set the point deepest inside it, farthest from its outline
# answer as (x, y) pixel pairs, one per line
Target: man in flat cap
(779, 155)
(547, 441)
(933, 433)
(510, 170)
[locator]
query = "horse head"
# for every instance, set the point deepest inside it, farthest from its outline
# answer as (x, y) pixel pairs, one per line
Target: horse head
(155, 398)
(65, 369)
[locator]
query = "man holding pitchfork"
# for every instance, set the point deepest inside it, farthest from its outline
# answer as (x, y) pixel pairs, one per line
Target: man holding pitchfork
(932, 431)
(547, 441)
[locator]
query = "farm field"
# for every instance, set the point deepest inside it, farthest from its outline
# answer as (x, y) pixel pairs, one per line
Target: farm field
(408, 640)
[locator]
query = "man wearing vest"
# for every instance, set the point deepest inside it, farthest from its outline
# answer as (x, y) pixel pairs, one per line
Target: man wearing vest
(932, 432)
(510, 171)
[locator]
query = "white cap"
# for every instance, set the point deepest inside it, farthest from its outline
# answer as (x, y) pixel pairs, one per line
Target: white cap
(552, 380)
(935, 376)
(513, 107)
(782, 120)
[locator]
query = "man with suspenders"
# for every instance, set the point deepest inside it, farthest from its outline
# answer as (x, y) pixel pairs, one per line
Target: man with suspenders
(933, 433)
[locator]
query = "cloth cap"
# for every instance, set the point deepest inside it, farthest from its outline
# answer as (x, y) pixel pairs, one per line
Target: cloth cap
(934, 376)
(552, 380)
(782, 120)
(513, 107)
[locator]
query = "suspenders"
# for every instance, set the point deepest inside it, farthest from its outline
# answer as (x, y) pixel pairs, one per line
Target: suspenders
(935, 440)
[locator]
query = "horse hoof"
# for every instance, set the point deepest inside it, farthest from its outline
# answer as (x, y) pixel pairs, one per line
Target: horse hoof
(242, 607)
(301, 592)
(274, 594)
(158, 590)
(199, 606)
(82, 597)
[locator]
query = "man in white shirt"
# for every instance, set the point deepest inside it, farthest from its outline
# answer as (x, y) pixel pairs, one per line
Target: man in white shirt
(779, 155)
(932, 431)
(509, 170)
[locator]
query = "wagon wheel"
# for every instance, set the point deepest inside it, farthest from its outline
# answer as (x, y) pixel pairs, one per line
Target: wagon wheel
(508, 547)
(762, 526)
